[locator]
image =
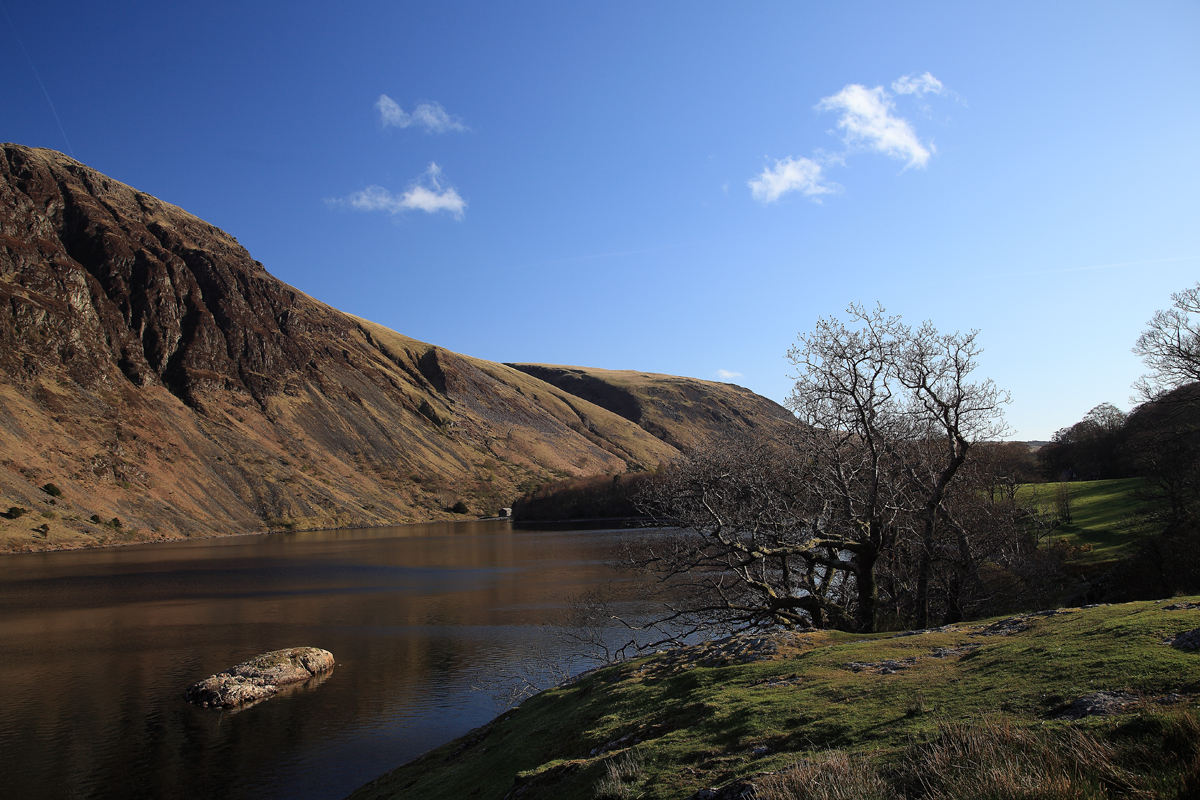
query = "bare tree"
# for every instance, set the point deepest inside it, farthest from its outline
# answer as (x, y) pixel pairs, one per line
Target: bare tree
(1062, 502)
(1170, 346)
(985, 555)
(887, 415)
(1164, 431)
(745, 548)
(1010, 465)
(1163, 444)
(795, 532)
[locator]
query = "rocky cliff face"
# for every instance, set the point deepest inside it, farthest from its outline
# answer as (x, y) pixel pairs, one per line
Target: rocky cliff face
(156, 374)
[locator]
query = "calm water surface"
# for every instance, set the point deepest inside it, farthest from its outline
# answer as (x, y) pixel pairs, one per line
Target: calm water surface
(98, 646)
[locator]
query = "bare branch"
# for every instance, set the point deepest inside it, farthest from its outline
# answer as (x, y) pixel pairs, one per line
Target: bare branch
(1170, 346)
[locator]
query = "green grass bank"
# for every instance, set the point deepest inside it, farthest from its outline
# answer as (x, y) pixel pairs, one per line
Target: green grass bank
(1107, 517)
(756, 707)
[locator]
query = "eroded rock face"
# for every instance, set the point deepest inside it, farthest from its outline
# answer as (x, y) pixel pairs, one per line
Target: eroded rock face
(260, 677)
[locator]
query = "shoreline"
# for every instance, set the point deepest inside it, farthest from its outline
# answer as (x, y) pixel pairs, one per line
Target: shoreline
(207, 536)
(628, 522)
(585, 521)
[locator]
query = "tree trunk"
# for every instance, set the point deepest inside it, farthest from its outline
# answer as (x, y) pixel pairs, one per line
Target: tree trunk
(868, 592)
(923, 574)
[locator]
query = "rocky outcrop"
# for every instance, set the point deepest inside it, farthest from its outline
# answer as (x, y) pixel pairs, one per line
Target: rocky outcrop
(260, 677)
(1099, 703)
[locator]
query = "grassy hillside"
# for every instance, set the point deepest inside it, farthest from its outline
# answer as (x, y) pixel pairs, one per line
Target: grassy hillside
(1107, 517)
(669, 725)
(683, 412)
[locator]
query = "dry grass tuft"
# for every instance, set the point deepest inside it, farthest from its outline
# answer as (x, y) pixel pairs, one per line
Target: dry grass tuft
(621, 773)
(835, 775)
(995, 759)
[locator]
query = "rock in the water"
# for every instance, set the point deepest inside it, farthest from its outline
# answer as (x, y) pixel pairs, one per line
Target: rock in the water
(260, 677)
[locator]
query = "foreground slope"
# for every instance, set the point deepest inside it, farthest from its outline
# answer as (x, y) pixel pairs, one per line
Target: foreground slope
(708, 715)
(167, 385)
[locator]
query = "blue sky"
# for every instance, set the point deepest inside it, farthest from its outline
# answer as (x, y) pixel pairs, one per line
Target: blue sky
(668, 187)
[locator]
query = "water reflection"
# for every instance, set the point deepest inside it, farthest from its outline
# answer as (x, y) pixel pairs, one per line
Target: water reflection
(100, 645)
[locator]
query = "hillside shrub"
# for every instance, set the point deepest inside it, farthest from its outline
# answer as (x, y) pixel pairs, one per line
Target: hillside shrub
(16, 512)
(52, 490)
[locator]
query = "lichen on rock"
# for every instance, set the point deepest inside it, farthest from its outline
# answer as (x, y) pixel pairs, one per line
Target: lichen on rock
(260, 677)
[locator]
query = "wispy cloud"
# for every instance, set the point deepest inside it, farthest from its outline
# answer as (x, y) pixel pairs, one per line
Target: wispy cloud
(921, 84)
(430, 116)
(1117, 265)
(428, 193)
(791, 175)
(726, 375)
(867, 121)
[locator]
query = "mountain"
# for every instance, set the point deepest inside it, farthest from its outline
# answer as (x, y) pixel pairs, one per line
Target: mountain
(684, 412)
(167, 385)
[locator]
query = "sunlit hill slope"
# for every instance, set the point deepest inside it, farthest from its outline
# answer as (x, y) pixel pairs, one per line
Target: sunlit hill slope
(167, 385)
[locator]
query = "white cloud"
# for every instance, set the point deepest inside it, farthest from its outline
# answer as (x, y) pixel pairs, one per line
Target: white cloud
(918, 85)
(726, 375)
(430, 116)
(867, 120)
(390, 113)
(427, 193)
(434, 118)
(791, 175)
(372, 198)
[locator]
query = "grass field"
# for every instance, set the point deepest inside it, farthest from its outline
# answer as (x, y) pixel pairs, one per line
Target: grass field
(666, 726)
(1105, 515)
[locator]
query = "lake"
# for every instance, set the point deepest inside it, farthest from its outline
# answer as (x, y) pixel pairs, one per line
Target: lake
(99, 645)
